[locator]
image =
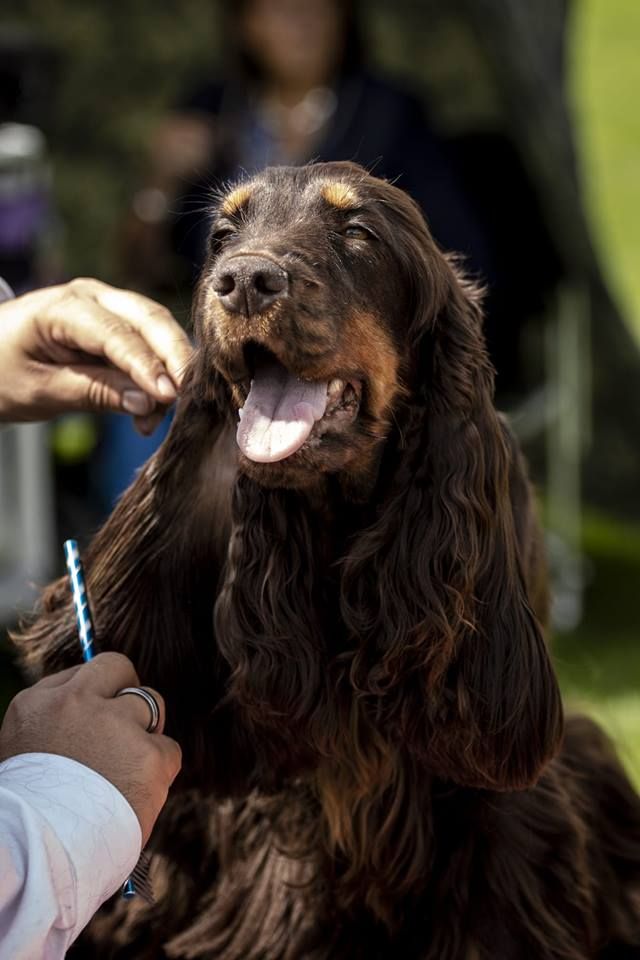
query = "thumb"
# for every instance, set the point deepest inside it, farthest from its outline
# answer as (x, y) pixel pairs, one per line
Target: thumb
(94, 387)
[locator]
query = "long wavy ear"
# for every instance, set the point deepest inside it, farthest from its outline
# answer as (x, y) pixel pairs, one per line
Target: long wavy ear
(152, 573)
(450, 660)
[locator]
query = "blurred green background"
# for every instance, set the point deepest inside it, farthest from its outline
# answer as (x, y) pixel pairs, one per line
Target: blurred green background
(600, 663)
(605, 85)
(125, 62)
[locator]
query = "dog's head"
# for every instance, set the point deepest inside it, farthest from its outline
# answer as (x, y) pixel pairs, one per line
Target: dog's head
(307, 307)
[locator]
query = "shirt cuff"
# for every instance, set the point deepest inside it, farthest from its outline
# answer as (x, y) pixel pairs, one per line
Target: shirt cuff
(91, 819)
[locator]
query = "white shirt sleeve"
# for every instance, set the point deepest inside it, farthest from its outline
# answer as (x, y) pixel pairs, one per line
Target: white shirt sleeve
(68, 840)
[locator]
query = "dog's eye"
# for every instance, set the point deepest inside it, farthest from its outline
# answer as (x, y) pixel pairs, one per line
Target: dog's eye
(355, 232)
(220, 236)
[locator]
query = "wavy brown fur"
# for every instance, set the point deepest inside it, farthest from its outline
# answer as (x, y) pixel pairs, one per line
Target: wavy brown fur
(349, 641)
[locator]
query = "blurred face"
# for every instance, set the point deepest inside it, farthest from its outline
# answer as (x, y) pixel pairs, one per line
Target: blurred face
(297, 42)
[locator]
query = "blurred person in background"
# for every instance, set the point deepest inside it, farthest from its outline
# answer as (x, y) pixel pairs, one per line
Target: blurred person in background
(297, 87)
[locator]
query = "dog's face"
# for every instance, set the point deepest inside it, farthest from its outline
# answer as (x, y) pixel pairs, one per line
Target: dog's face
(302, 308)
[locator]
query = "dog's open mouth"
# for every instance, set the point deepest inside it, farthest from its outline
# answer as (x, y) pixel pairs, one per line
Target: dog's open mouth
(283, 412)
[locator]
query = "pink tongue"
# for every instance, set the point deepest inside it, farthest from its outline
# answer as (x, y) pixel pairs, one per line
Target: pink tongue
(279, 413)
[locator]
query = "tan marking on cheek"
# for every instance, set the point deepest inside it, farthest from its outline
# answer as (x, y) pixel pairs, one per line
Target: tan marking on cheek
(236, 200)
(340, 195)
(368, 347)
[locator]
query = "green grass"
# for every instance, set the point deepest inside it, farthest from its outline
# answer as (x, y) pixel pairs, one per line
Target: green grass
(599, 664)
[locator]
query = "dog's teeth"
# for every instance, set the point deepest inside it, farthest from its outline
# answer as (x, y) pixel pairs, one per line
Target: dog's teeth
(335, 388)
(240, 412)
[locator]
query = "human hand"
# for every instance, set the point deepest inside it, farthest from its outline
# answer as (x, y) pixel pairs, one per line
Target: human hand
(76, 714)
(85, 345)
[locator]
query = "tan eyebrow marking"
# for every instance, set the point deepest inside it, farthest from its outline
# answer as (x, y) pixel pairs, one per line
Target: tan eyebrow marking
(236, 200)
(340, 195)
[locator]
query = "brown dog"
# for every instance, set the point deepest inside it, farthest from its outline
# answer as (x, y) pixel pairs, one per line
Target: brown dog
(330, 569)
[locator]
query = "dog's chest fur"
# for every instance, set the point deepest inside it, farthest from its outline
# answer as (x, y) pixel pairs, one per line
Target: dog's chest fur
(250, 898)
(231, 887)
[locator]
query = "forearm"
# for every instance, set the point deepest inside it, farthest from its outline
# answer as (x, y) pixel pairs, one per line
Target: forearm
(68, 839)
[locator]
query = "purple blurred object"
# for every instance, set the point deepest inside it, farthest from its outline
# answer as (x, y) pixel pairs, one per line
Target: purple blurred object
(21, 219)
(26, 206)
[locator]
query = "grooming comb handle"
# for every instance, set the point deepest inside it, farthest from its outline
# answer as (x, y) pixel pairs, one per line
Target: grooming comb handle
(84, 621)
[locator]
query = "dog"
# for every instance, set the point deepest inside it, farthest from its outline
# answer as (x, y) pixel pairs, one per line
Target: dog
(332, 570)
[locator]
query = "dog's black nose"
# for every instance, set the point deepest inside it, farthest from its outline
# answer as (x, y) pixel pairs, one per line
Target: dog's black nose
(249, 285)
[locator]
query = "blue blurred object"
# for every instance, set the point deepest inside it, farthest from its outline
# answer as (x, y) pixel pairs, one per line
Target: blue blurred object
(122, 452)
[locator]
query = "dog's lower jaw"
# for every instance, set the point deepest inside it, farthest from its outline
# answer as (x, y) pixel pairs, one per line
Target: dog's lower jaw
(355, 474)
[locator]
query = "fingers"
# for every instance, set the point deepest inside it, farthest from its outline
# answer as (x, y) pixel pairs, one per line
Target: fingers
(153, 323)
(76, 714)
(136, 710)
(172, 754)
(88, 386)
(83, 324)
(106, 674)
(85, 345)
(139, 710)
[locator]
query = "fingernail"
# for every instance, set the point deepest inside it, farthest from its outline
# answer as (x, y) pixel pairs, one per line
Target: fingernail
(137, 402)
(165, 387)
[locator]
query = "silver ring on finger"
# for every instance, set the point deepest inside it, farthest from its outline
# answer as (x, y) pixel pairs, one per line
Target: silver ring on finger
(150, 701)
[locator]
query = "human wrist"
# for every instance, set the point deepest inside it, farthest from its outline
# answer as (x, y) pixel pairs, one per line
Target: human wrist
(90, 817)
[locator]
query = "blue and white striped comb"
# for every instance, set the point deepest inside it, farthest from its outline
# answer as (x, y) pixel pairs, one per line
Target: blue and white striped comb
(138, 882)
(84, 620)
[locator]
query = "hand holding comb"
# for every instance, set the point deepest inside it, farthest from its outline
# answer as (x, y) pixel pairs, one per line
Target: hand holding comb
(138, 882)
